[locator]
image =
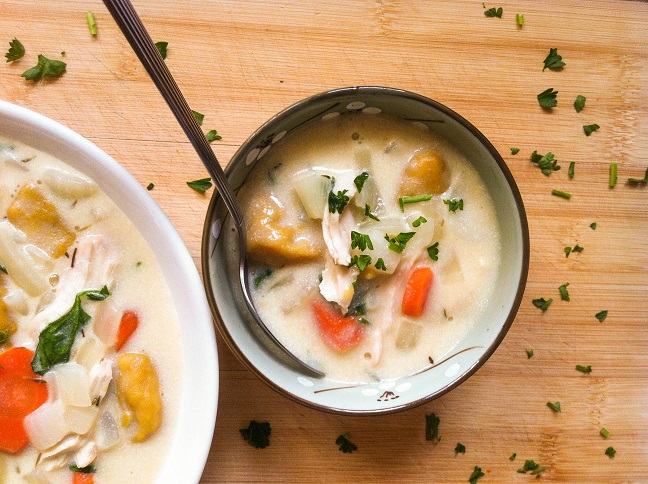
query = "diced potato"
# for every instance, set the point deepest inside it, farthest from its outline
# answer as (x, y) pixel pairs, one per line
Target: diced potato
(138, 388)
(425, 174)
(407, 335)
(32, 213)
(7, 325)
(273, 242)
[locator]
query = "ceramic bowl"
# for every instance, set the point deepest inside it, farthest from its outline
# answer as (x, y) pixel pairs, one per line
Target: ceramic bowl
(436, 379)
(195, 425)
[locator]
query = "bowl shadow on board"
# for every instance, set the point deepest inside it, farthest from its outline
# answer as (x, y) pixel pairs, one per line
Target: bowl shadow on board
(255, 350)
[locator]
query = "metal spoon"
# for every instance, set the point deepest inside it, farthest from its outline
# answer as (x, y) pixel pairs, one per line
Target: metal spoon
(139, 39)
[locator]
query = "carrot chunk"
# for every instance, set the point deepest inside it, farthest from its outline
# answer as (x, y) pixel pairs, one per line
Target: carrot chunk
(416, 291)
(82, 478)
(337, 332)
(127, 326)
(20, 395)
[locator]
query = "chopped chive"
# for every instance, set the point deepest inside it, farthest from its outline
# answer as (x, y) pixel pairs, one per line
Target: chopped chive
(92, 25)
(570, 171)
(150, 187)
(513, 456)
(605, 432)
(639, 181)
(418, 198)
(520, 19)
(560, 193)
(613, 174)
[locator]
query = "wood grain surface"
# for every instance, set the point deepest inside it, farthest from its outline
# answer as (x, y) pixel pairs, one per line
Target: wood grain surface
(240, 62)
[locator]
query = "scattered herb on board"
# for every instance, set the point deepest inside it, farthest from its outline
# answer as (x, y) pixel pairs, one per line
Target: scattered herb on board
(433, 251)
(398, 243)
(45, 68)
(546, 162)
(89, 469)
(494, 12)
(415, 199)
(584, 369)
(590, 128)
(593, 226)
(555, 406)
(532, 467)
(542, 303)
(638, 181)
(519, 18)
(570, 170)
(553, 61)
(454, 204)
(476, 474)
(515, 151)
(513, 456)
(432, 427)
(605, 433)
(345, 444)
(3, 268)
(199, 117)
(362, 261)
(360, 180)
(547, 98)
(369, 214)
(564, 294)
(561, 194)
(262, 276)
(419, 221)
(529, 354)
(460, 448)
(610, 452)
(601, 315)
(360, 241)
(576, 248)
(150, 187)
(92, 24)
(380, 264)
(257, 434)
(613, 175)
(162, 49)
(56, 340)
(337, 202)
(16, 51)
(579, 103)
(201, 185)
(213, 135)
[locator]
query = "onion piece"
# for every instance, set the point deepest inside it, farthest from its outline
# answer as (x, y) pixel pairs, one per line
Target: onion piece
(46, 425)
(69, 185)
(80, 419)
(313, 189)
(90, 352)
(107, 433)
(73, 384)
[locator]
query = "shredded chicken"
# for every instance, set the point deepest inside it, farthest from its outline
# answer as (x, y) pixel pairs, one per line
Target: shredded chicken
(336, 228)
(337, 283)
(100, 377)
(58, 455)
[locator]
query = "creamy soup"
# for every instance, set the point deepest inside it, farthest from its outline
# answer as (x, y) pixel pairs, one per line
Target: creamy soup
(374, 243)
(88, 331)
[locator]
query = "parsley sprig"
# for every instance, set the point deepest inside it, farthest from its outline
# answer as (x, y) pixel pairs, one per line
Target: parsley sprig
(201, 186)
(360, 180)
(555, 406)
(398, 243)
(360, 241)
(433, 251)
(16, 51)
(546, 162)
(345, 444)
(432, 427)
(553, 61)
(362, 261)
(162, 49)
(494, 12)
(542, 303)
(257, 434)
(579, 103)
(337, 202)
(590, 128)
(532, 467)
(564, 294)
(476, 474)
(547, 98)
(45, 68)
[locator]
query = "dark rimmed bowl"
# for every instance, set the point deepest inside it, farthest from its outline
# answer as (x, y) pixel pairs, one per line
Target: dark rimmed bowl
(258, 354)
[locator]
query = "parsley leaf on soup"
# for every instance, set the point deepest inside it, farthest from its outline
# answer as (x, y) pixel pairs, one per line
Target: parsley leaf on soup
(16, 51)
(419, 221)
(45, 68)
(360, 180)
(398, 243)
(380, 264)
(201, 185)
(345, 444)
(579, 103)
(369, 214)
(432, 427)
(454, 204)
(162, 49)
(547, 98)
(360, 241)
(362, 261)
(337, 202)
(433, 251)
(257, 434)
(553, 61)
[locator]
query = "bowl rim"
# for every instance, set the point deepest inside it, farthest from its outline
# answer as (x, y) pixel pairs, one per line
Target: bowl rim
(525, 253)
(152, 223)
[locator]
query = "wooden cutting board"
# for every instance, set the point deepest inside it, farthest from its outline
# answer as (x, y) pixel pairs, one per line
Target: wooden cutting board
(240, 62)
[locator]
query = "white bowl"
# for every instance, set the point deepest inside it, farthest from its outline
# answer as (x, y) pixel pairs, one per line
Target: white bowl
(195, 425)
(469, 354)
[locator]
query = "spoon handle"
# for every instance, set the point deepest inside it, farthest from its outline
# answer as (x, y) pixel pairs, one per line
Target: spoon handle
(139, 39)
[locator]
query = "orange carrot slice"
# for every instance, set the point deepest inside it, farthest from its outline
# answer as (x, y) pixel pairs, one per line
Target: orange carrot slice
(337, 332)
(127, 326)
(82, 478)
(416, 291)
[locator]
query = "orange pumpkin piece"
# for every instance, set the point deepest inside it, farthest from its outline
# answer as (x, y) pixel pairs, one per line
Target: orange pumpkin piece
(425, 174)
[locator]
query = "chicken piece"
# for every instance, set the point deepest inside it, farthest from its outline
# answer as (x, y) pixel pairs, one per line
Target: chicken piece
(336, 227)
(100, 376)
(270, 238)
(33, 214)
(424, 174)
(138, 388)
(337, 283)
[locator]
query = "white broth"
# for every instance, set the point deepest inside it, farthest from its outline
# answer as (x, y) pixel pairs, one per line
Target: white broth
(44, 273)
(322, 289)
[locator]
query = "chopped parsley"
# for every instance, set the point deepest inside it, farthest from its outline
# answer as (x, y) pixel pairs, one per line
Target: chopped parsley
(553, 61)
(419, 221)
(199, 117)
(519, 18)
(369, 214)
(460, 448)
(576, 248)
(262, 276)
(345, 444)
(418, 198)
(4, 336)
(515, 151)
(494, 12)
(398, 243)
(257, 434)
(555, 406)
(433, 251)
(213, 135)
(162, 49)
(593, 226)
(16, 51)
(476, 474)
(561, 194)
(337, 202)
(3, 268)
(542, 303)
(361, 241)
(532, 467)
(362, 261)
(201, 185)
(579, 103)
(89, 469)
(610, 452)
(605, 433)
(564, 294)
(513, 456)
(432, 427)
(454, 204)
(570, 170)
(546, 163)
(529, 353)
(380, 264)
(150, 187)
(637, 181)
(45, 68)
(601, 315)
(360, 180)
(584, 369)
(547, 98)
(590, 128)
(92, 24)
(613, 175)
